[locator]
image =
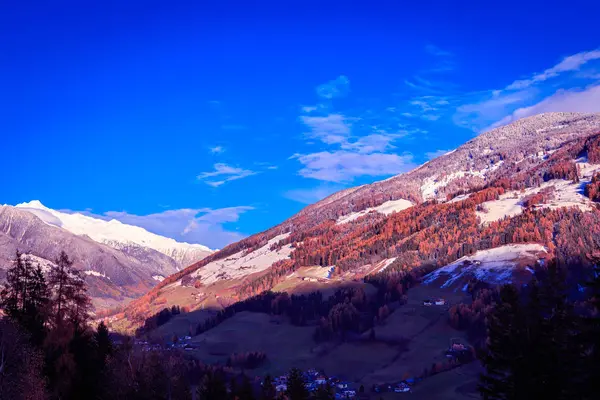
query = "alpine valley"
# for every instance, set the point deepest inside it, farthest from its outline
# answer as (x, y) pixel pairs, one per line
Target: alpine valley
(375, 282)
(387, 286)
(120, 261)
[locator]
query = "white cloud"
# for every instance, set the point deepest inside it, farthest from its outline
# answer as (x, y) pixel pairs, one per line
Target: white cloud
(202, 225)
(312, 195)
(536, 94)
(344, 166)
(309, 109)
(338, 87)
(372, 143)
(430, 155)
(573, 100)
(227, 172)
(570, 63)
(490, 107)
(425, 106)
(436, 51)
(330, 129)
(217, 149)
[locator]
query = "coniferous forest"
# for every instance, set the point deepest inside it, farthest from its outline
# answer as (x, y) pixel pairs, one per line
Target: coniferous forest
(540, 340)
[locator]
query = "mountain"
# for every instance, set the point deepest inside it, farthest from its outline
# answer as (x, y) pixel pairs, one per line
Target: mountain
(477, 197)
(127, 238)
(120, 261)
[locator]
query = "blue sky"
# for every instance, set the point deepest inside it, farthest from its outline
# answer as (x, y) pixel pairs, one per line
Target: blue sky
(208, 121)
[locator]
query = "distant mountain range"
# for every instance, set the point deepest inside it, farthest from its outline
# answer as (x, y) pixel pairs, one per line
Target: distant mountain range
(121, 261)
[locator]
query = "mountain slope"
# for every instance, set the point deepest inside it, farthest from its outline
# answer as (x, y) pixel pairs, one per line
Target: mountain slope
(127, 238)
(120, 261)
(432, 215)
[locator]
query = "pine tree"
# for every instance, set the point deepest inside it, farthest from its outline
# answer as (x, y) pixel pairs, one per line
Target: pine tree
(25, 298)
(268, 391)
(70, 302)
(213, 387)
(590, 335)
(103, 343)
(246, 392)
(296, 385)
(325, 392)
(504, 350)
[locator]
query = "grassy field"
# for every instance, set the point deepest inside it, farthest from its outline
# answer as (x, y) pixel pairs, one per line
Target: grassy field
(412, 338)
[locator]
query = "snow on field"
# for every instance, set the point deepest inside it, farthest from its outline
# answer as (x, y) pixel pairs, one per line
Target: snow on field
(494, 266)
(241, 264)
(386, 208)
(460, 198)
(95, 273)
(432, 184)
(566, 194)
(386, 263)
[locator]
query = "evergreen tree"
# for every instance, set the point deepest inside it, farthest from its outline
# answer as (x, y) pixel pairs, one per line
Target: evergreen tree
(590, 335)
(503, 358)
(296, 385)
(213, 387)
(268, 391)
(246, 392)
(70, 302)
(25, 297)
(103, 343)
(325, 392)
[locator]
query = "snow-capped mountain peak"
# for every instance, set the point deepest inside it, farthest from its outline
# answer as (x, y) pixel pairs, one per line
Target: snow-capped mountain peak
(117, 234)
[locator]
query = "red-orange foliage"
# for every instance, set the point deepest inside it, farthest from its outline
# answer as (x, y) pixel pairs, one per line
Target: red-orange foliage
(592, 189)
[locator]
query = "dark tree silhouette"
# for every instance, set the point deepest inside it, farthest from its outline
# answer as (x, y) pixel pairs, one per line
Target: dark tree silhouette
(296, 385)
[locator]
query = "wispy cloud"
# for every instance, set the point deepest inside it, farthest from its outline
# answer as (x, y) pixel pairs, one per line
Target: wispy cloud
(312, 195)
(226, 172)
(359, 144)
(193, 225)
(538, 93)
(436, 51)
(343, 166)
(309, 109)
(332, 128)
(573, 100)
(430, 155)
(217, 149)
(568, 64)
(339, 87)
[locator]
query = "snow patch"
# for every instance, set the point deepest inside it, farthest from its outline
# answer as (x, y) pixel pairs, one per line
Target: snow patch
(241, 264)
(566, 194)
(159, 278)
(386, 263)
(386, 208)
(494, 266)
(431, 185)
(95, 273)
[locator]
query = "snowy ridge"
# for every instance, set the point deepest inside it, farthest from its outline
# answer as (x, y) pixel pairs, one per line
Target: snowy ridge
(117, 234)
